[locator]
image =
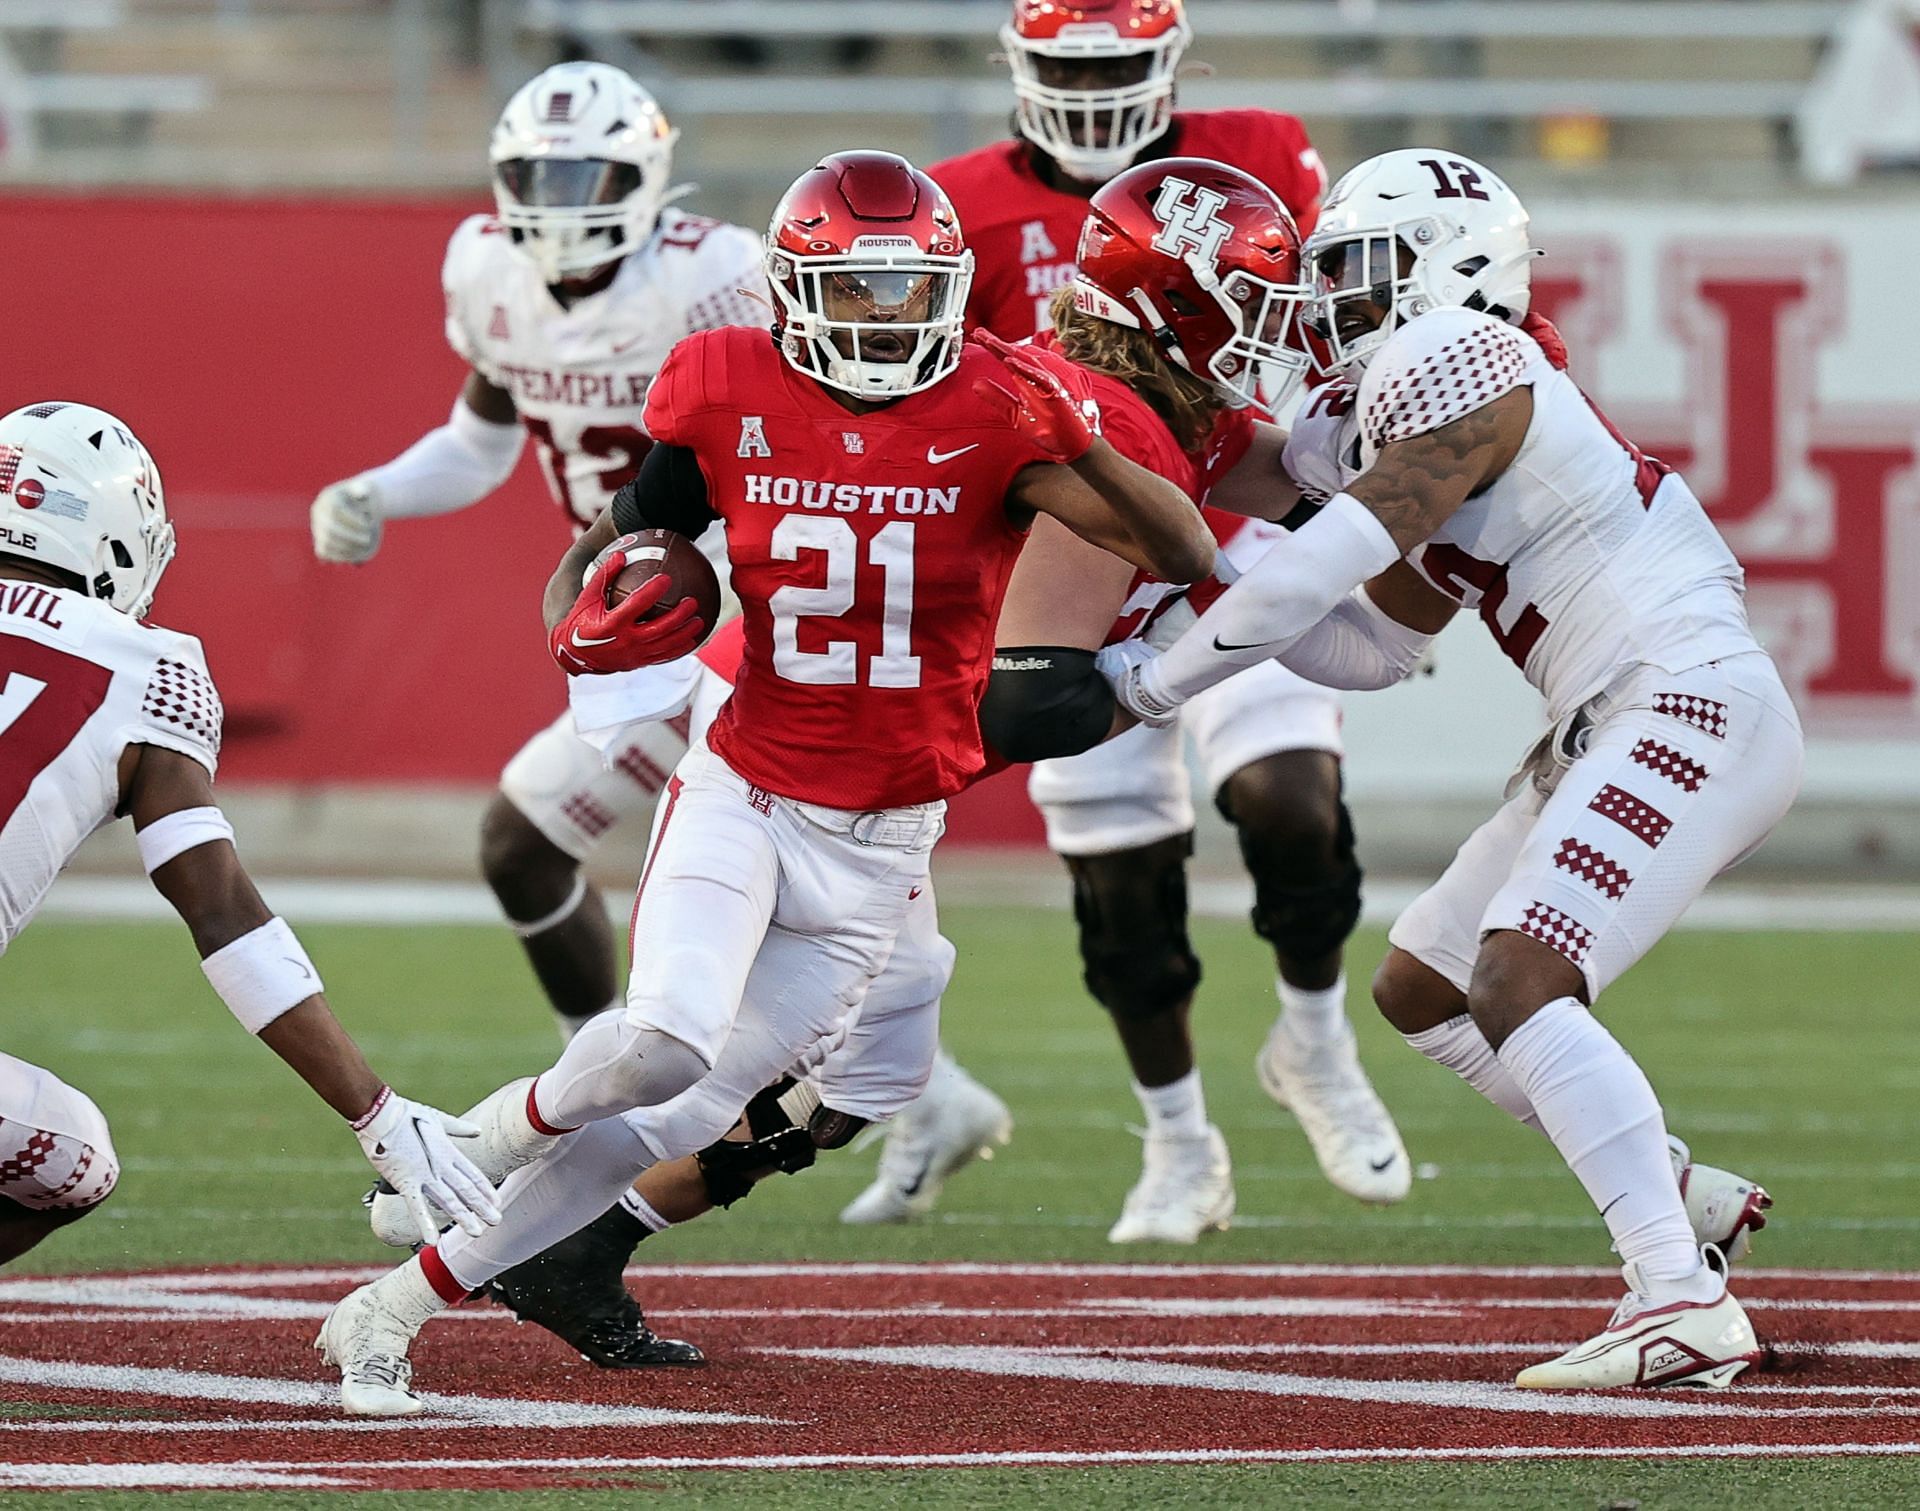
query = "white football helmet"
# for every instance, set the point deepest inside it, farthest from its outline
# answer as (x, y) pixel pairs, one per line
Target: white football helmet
(1094, 133)
(1412, 231)
(581, 157)
(79, 492)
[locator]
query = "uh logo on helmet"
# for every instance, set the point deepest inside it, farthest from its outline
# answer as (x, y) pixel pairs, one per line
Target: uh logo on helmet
(78, 492)
(581, 158)
(1411, 231)
(1207, 260)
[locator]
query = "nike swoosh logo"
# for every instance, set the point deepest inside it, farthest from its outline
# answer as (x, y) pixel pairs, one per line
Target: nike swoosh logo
(1614, 1203)
(584, 645)
(1252, 645)
(937, 456)
(913, 894)
(1380, 1164)
(305, 970)
(912, 1187)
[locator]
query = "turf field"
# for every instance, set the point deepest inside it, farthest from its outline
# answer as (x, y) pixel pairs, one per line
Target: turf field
(1795, 1058)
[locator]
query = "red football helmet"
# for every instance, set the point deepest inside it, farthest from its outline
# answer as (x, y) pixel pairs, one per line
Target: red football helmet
(1094, 77)
(1207, 260)
(870, 275)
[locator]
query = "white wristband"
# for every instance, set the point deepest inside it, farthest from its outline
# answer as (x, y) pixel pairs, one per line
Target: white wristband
(173, 834)
(262, 975)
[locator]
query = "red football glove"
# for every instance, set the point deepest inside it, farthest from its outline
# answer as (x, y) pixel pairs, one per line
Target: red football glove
(1035, 402)
(594, 639)
(1542, 330)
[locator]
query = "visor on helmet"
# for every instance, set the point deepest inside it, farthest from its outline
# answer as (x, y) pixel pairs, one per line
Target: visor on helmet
(567, 183)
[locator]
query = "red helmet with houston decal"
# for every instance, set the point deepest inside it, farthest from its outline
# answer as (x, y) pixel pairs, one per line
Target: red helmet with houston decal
(870, 275)
(1206, 260)
(1094, 77)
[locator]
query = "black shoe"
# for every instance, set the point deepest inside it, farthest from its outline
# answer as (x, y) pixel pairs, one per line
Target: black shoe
(575, 1291)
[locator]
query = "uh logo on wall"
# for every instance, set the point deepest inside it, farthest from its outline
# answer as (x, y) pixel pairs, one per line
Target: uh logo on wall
(1818, 498)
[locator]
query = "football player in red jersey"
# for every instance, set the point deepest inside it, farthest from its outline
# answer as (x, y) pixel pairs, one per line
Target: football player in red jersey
(876, 479)
(1094, 81)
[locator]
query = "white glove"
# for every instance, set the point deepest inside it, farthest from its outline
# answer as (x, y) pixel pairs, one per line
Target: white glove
(410, 1145)
(346, 521)
(1129, 667)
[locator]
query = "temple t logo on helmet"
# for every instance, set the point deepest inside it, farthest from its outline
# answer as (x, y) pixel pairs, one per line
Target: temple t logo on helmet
(1094, 78)
(581, 160)
(1411, 231)
(1206, 260)
(870, 276)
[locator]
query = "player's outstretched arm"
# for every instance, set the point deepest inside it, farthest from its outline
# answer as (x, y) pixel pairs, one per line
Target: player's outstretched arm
(1258, 485)
(1413, 488)
(263, 975)
(448, 468)
(1118, 505)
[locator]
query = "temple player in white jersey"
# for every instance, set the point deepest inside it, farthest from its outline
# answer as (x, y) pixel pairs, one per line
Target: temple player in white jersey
(1461, 468)
(103, 717)
(565, 303)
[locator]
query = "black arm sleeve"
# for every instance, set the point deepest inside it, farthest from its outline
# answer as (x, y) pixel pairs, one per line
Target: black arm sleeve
(1044, 701)
(669, 494)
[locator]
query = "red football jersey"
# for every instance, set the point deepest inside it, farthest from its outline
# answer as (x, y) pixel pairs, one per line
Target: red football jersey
(1024, 234)
(1131, 427)
(870, 555)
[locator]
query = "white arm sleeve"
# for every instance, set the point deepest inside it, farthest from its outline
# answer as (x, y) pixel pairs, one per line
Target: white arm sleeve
(1357, 647)
(1282, 596)
(447, 469)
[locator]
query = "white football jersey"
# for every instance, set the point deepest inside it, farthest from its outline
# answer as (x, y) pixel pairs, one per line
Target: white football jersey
(579, 374)
(79, 683)
(1584, 557)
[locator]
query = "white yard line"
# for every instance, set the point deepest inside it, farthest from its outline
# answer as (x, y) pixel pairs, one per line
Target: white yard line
(407, 903)
(195, 1385)
(125, 1475)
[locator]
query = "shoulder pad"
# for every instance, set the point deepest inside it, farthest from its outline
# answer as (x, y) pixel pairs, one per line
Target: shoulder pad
(1440, 366)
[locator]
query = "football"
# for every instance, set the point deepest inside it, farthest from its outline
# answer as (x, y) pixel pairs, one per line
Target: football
(653, 552)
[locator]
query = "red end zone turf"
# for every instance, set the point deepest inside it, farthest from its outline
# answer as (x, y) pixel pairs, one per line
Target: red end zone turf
(207, 1379)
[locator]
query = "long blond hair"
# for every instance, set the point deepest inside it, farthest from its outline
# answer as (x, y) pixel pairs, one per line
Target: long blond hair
(1189, 406)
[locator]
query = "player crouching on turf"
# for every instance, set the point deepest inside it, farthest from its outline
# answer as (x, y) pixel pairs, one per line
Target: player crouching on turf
(1460, 468)
(877, 481)
(102, 716)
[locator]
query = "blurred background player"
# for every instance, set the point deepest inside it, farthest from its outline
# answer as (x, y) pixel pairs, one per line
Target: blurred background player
(565, 303)
(102, 716)
(795, 838)
(1094, 88)
(1458, 466)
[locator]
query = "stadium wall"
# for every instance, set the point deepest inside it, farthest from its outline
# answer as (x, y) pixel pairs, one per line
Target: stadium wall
(265, 347)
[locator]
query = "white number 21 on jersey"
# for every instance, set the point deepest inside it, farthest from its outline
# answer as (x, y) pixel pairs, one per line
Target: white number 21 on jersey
(891, 550)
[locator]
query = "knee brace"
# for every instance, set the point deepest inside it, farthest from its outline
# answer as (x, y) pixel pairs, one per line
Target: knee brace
(1305, 902)
(787, 1126)
(1131, 906)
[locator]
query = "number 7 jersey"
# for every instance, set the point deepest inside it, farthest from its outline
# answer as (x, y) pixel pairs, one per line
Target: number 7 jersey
(870, 554)
(79, 683)
(1584, 557)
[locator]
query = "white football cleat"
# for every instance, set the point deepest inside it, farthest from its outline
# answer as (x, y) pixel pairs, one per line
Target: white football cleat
(956, 1121)
(1185, 1189)
(1647, 1343)
(1726, 1210)
(367, 1342)
(1349, 1127)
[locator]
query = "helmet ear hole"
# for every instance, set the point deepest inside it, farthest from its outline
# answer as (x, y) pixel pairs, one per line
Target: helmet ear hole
(122, 557)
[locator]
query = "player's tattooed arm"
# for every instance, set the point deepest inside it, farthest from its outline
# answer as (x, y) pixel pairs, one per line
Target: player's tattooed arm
(1415, 485)
(563, 588)
(1258, 485)
(1118, 505)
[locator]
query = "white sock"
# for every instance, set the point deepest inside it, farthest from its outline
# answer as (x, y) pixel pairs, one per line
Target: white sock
(1459, 1045)
(644, 1212)
(1596, 1105)
(1176, 1110)
(410, 1295)
(544, 1202)
(1312, 1017)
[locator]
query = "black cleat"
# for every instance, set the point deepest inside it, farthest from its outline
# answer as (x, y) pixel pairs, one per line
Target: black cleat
(575, 1291)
